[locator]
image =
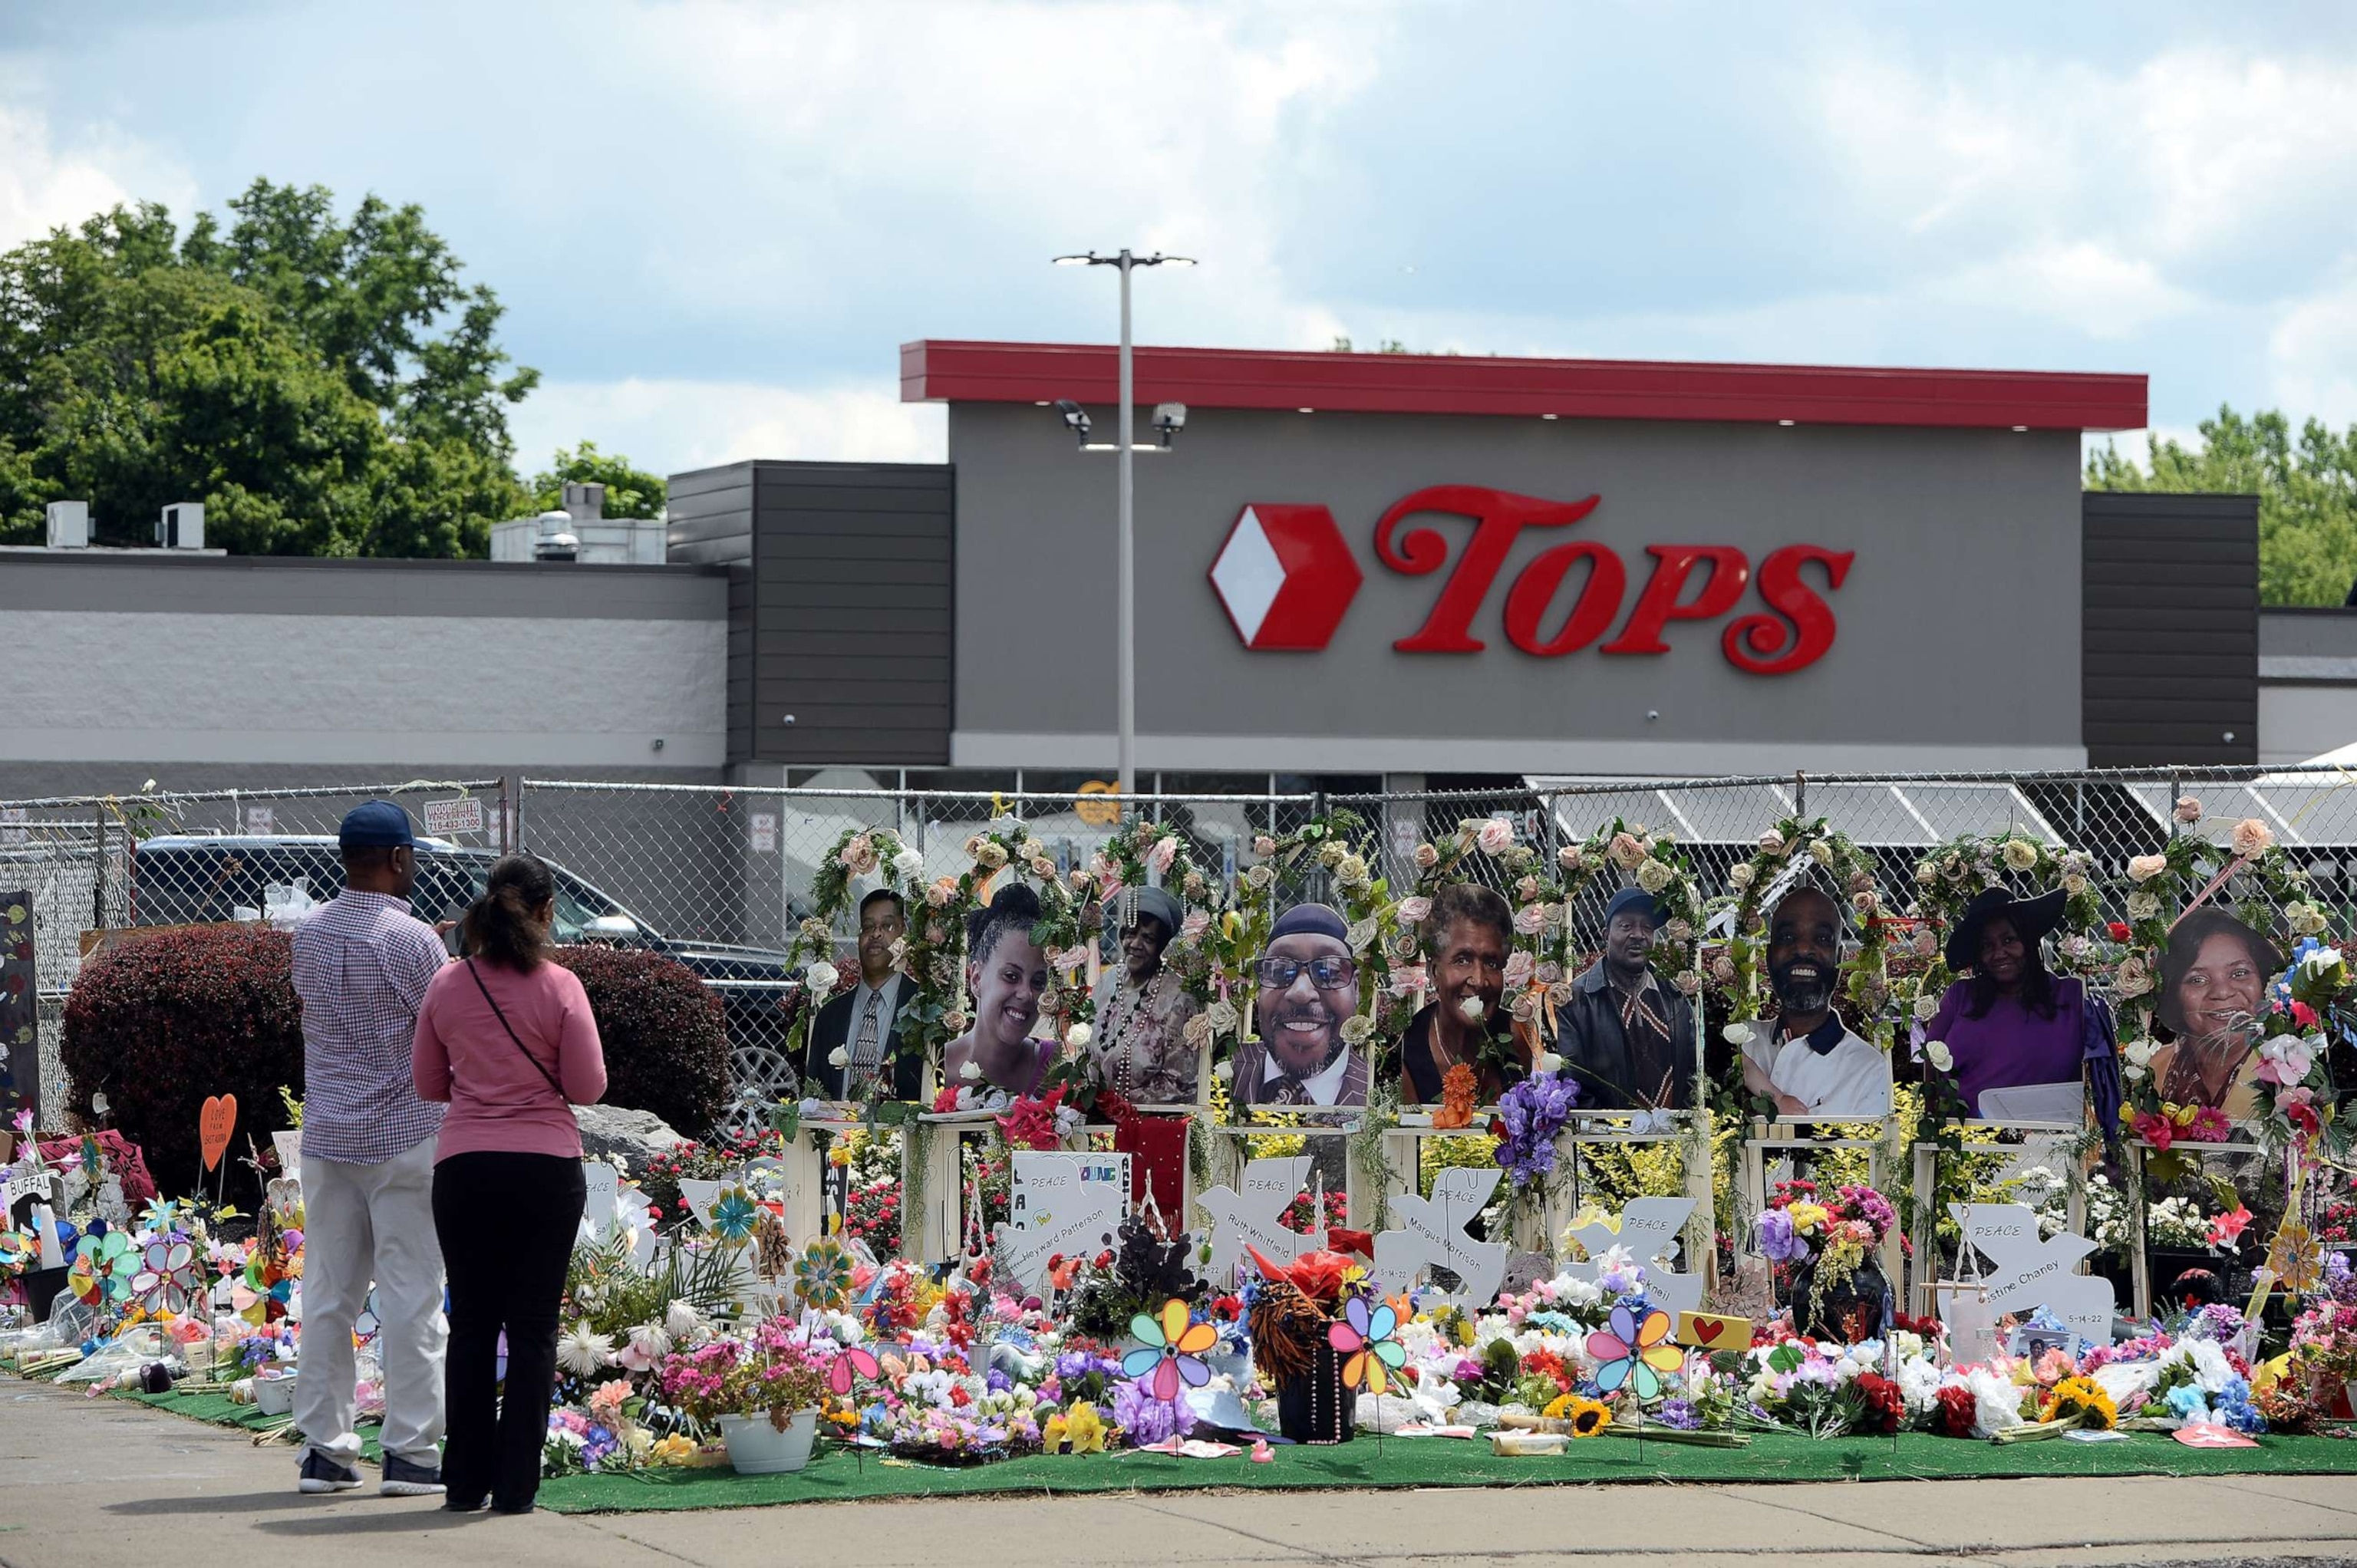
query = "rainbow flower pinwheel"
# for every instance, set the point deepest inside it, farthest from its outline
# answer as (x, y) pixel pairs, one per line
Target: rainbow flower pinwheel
(1169, 1352)
(103, 1268)
(1368, 1338)
(1635, 1352)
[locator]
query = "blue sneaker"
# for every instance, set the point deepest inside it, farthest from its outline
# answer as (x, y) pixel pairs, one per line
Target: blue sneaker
(403, 1478)
(321, 1473)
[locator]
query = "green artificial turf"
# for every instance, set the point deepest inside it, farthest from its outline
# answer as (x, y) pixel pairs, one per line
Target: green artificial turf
(838, 1475)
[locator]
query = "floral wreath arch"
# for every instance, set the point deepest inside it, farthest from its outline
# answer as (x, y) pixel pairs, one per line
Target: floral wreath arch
(2308, 1007)
(855, 853)
(1950, 877)
(1795, 851)
(935, 955)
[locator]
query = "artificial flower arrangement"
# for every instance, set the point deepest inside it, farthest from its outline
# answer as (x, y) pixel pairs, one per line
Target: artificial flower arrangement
(772, 1375)
(1828, 1241)
(1528, 1116)
(1294, 1309)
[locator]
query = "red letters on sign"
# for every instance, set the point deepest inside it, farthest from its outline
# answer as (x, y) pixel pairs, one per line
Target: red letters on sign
(1591, 613)
(1500, 516)
(1757, 643)
(1659, 604)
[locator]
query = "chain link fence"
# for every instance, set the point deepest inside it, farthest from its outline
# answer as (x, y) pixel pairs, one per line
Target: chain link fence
(719, 876)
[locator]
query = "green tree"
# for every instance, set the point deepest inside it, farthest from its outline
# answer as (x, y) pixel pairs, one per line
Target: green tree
(630, 492)
(324, 386)
(2307, 490)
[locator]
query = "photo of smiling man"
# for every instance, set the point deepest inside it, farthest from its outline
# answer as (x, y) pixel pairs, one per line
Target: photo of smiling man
(1805, 1057)
(1309, 999)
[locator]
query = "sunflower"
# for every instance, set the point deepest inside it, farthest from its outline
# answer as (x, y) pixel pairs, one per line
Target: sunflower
(1581, 1417)
(2081, 1402)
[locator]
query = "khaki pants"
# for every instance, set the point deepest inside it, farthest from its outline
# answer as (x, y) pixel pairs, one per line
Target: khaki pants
(363, 1223)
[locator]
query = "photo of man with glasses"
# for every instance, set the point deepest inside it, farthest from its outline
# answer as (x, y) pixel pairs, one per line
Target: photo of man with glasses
(1308, 991)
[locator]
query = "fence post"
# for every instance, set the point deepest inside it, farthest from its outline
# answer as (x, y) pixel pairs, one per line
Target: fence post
(511, 813)
(98, 876)
(1799, 793)
(2176, 793)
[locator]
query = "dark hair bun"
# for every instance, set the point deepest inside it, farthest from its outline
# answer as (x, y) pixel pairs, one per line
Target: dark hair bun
(1013, 905)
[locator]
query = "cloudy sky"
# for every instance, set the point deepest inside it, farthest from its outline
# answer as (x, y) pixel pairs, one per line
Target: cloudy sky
(714, 223)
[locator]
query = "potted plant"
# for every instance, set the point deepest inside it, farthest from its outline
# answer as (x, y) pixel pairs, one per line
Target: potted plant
(761, 1394)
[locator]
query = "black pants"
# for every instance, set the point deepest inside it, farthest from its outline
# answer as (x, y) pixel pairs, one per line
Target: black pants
(507, 1223)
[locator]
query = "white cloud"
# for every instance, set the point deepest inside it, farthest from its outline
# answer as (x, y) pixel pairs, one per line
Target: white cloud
(2312, 356)
(43, 186)
(2083, 283)
(671, 426)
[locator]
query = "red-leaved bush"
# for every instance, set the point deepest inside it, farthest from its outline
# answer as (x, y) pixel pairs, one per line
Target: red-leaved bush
(666, 1042)
(160, 1023)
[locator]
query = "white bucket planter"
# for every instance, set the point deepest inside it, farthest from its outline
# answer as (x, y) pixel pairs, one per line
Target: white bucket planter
(274, 1396)
(757, 1448)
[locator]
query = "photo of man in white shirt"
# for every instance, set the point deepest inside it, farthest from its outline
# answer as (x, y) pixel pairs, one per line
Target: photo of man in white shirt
(1804, 1058)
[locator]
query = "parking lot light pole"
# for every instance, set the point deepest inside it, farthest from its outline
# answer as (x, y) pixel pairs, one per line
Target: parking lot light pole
(1124, 597)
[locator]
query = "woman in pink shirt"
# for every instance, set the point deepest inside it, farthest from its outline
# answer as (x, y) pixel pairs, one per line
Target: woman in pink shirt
(506, 1037)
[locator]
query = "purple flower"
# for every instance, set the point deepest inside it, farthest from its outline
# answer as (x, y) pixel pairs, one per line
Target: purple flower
(997, 1382)
(1145, 1419)
(1678, 1413)
(1533, 1113)
(1778, 1244)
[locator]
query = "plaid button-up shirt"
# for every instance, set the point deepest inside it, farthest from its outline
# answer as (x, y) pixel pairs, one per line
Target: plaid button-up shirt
(361, 964)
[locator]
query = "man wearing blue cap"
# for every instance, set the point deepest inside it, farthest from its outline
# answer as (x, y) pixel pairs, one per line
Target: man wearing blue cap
(361, 963)
(1627, 1038)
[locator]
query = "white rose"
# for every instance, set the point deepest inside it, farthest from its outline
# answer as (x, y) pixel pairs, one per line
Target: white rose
(2021, 854)
(1359, 935)
(1351, 871)
(838, 1058)
(1078, 1034)
(1549, 1063)
(1472, 1010)
(820, 977)
(1736, 1034)
(972, 1071)
(2145, 867)
(1688, 981)
(1652, 876)
(908, 863)
(2143, 906)
(1358, 1029)
(1938, 1054)
(1740, 878)
(1225, 1072)
(1223, 1017)
(1821, 852)
(1772, 843)
(2074, 885)
(1926, 873)
(1260, 877)
(2140, 1052)
(1926, 1008)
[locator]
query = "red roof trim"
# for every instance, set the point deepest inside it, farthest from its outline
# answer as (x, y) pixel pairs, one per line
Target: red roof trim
(932, 371)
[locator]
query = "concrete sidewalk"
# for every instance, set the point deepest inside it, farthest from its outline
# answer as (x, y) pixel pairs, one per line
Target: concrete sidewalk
(105, 1484)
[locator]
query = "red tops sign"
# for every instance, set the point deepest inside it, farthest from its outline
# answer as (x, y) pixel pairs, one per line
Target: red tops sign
(1286, 575)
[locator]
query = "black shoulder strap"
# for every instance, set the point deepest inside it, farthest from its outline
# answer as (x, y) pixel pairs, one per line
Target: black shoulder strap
(502, 1017)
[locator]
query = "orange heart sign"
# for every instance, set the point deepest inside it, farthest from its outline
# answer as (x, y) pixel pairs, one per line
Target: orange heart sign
(215, 1123)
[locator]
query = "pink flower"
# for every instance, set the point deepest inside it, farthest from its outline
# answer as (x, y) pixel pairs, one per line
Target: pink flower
(1529, 919)
(1414, 911)
(1165, 851)
(2283, 1061)
(2251, 838)
(1518, 965)
(1408, 978)
(1196, 923)
(1496, 835)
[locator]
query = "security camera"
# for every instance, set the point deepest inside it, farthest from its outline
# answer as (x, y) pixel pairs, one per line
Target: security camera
(1075, 417)
(1169, 418)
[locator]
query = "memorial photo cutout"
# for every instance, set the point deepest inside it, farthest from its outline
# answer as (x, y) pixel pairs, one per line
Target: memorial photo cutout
(1804, 1058)
(1626, 1033)
(1467, 942)
(2011, 1033)
(1311, 1049)
(2213, 999)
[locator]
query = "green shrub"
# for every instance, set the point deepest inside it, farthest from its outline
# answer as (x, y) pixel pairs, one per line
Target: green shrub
(666, 1045)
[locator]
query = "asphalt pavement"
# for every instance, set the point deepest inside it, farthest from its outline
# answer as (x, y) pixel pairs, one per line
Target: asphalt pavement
(102, 1482)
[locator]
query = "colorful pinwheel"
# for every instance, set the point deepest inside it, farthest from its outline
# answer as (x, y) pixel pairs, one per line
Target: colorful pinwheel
(1633, 1351)
(822, 1275)
(1368, 1339)
(1170, 1350)
(103, 1268)
(168, 1277)
(2293, 1256)
(850, 1360)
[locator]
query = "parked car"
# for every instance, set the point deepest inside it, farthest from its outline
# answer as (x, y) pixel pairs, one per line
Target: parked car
(178, 879)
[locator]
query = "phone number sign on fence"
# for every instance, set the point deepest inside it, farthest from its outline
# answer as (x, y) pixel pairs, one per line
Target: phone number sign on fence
(447, 818)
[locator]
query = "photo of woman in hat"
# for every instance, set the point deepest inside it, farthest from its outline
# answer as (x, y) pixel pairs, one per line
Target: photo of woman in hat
(2213, 997)
(1140, 1049)
(2010, 1023)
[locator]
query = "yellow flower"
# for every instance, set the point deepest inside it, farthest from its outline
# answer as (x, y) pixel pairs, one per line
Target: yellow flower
(1080, 1427)
(671, 1450)
(1586, 1417)
(2084, 1403)
(2181, 1114)
(1465, 1332)
(1809, 1217)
